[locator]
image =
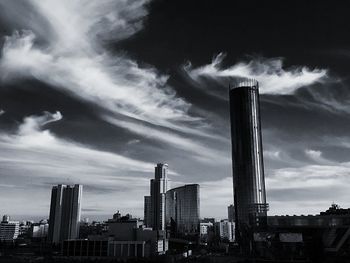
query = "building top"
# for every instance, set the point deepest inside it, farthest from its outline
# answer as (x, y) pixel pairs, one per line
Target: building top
(184, 186)
(245, 83)
(162, 164)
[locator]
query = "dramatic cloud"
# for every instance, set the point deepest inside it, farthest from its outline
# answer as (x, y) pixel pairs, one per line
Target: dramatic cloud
(273, 78)
(73, 59)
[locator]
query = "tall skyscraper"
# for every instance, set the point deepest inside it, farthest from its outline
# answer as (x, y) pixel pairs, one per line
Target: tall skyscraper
(183, 208)
(65, 210)
(159, 187)
(247, 156)
(231, 213)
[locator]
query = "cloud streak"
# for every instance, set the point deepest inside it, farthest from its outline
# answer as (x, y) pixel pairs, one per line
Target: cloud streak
(273, 78)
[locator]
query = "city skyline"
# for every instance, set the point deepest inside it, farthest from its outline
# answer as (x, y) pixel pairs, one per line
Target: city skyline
(99, 99)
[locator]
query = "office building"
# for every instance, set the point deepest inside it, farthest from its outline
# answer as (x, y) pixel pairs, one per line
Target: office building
(231, 213)
(183, 208)
(9, 230)
(159, 187)
(147, 219)
(65, 212)
(247, 157)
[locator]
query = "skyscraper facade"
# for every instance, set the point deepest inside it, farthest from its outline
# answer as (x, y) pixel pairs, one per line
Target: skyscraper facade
(65, 212)
(159, 187)
(147, 219)
(231, 213)
(247, 156)
(183, 208)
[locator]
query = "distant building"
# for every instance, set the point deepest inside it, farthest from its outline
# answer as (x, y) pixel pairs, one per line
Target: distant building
(206, 232)
(183, 208)
(39, 230)
(9, 230)
(24, 228)
(159, 187)
(204, 228)
(208, 220)
(5, 218)
(231, 213)
(65, 211)
(226, 230)
(147, 219)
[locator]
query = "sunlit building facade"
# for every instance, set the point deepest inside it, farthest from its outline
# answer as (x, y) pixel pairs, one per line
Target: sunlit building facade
(65, 212)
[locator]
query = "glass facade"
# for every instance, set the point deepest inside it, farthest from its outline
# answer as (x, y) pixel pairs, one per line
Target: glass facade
(247, 156)
(183, 208)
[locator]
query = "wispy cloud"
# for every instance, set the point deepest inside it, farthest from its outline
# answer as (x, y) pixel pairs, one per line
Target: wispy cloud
(273, 78)
(197, 150)
(73, 58)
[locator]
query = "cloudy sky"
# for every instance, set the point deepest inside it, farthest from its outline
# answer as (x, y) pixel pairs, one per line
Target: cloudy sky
(98, 92)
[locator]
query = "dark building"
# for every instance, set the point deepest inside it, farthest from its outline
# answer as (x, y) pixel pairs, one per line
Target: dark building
(65, 210)
(147, 217)
(231, 213)
(247, 158)
(183, 209)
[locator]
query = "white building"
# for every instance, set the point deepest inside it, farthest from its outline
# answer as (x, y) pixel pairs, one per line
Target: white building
(203, 228)
(9, 230)
(226, 230)
(40, 230)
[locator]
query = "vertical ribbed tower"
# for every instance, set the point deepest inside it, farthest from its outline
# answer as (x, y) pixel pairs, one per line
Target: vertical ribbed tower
(247, 157)
(65, 212)
(159, 187)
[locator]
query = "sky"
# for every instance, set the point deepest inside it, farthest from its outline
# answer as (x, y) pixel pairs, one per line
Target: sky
(98, 92)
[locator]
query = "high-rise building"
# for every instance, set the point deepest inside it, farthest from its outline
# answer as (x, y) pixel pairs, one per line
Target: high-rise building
(247, 156)
(65, 212)
(183, 208)
(231, 213)
(147, 217)
(159, 187)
